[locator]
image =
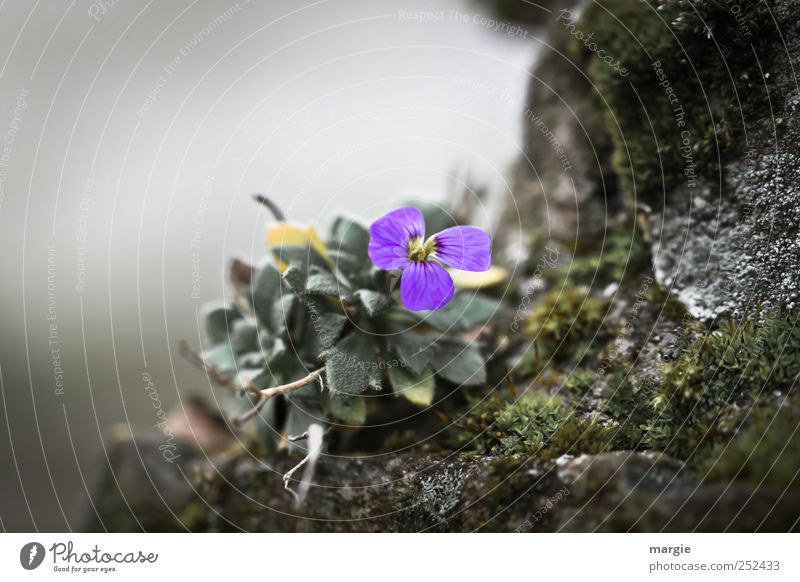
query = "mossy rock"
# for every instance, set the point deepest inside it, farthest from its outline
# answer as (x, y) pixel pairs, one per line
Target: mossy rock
(410, 492)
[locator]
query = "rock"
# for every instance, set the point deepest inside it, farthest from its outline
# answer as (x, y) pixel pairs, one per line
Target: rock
(646, 492)
(707, 141)
(700, 134)
(411, 492)
(564, 186)
(139, 490)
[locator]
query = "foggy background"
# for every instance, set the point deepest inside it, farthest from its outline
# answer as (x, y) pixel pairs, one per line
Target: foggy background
(131, 130)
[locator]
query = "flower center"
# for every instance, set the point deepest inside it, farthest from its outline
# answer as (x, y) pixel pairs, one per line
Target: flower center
(419, 251)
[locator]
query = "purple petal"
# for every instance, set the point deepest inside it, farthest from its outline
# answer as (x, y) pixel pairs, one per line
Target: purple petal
(389, 236)
(464, 247)
(426, 285)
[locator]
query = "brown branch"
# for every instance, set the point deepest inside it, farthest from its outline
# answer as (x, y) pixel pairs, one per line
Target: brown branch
(227, 381)
(240, 420)
(292, 386)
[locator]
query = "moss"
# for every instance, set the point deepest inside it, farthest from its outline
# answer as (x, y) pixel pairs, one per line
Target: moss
(623, 256)
(581, 381)
(630, 405)
(705, 57)
(766, 452)
(711, 379)
(566, 323)
(732, 365)
(535, 424)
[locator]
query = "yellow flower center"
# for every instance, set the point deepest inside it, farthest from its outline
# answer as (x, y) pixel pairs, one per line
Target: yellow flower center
(419, 251)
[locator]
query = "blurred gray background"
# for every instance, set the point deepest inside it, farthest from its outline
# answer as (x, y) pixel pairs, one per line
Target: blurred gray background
(133, 134)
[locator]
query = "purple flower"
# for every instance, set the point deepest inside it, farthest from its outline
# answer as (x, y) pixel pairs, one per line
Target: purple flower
(397, 241)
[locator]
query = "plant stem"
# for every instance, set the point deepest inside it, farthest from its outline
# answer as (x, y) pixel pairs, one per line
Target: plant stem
(292, 386)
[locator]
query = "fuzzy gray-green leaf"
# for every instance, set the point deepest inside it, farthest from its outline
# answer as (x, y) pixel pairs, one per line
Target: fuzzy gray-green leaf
(415, 388)
(352, 366)
(326, 329)
(459, 363)
(348, 409)
(465, 312)
(219, 323)
(350, 236)
(220, 357)
(414, 349)
(266, 291)
(322, 282)
(374, 303)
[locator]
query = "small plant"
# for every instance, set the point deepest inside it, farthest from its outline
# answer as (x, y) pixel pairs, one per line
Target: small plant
(723, 371)
(316, 331)
(533, 424)
(566, 324)
(766, 452)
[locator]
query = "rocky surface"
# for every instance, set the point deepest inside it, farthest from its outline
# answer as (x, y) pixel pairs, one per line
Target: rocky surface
(700, 136)
(409, 492)
(734, 242)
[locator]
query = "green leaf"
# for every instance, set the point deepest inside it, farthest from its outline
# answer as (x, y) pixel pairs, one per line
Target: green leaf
(414, 349)
(321, 282)
(465, 312)
(351, 266)
(250, 360)
(416, 389)
(352, 366)
(220, 357)
(244, 336)
(325, 330)
(347, 409)
(219, 323)
(305, 256)
(374, 303)
(296, 276)
(282, 312)
(266, 290)
(349, 235)
(459, 363)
